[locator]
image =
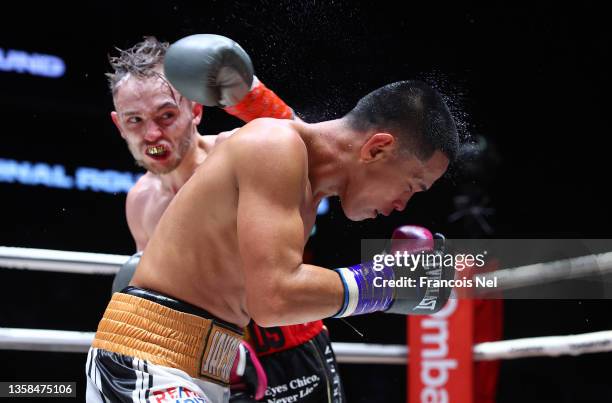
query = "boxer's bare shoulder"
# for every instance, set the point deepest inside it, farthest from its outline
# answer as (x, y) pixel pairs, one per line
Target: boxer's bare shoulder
(269, 144)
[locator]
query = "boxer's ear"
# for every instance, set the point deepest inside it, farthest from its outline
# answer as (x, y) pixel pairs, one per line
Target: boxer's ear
(196, 110)
(115, 119)
(378, 146)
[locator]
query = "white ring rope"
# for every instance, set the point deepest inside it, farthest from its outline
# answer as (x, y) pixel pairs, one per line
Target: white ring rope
(358, 353)
(550, 346)
(540, 273)
(99, 263)
(60, 261)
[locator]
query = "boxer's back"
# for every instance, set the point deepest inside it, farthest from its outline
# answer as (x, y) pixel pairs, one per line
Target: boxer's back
(193, 254)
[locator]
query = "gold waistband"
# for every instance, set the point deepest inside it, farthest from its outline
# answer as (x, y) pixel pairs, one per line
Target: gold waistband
(141, 328)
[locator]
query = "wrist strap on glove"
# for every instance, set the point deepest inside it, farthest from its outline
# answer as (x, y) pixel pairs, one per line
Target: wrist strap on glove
(260, 102)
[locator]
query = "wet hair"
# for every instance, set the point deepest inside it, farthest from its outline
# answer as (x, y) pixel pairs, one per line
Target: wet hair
(141, 60)
(412, 111)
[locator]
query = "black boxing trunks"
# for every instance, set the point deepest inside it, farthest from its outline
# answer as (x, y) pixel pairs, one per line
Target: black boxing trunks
(304, 372)
(269, 340)
(153, 348)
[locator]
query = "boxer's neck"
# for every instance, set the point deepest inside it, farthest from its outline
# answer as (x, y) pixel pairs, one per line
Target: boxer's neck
(330, 148)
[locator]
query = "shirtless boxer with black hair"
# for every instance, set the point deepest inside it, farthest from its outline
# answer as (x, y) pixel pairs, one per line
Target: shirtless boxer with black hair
(229, 246)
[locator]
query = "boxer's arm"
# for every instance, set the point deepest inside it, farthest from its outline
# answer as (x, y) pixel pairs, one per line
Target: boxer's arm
(272, 181)
(134, 213)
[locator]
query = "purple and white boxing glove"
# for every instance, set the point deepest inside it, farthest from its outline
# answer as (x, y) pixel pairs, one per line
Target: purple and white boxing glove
(398, 289)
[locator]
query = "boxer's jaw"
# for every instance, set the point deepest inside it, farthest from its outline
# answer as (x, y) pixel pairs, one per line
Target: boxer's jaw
(381, 187)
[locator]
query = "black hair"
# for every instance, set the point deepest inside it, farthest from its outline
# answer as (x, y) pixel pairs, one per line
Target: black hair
(412, 111)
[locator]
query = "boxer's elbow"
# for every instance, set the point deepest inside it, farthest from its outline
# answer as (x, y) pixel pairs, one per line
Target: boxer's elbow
(271, 312)
(270, 305)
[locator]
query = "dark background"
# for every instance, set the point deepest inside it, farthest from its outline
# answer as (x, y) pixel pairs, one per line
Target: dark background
(528, 85)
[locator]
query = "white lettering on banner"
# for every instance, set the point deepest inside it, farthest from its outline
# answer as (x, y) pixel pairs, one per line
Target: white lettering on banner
(436, 364)
(103, 181)
(34, 174)
(19, 61)
(85, 178)
(54, 176)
